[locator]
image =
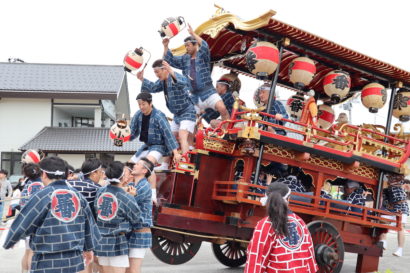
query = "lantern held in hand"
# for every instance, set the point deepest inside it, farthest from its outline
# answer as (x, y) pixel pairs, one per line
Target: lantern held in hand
(120, 132)
(172, 26)
(134, 59)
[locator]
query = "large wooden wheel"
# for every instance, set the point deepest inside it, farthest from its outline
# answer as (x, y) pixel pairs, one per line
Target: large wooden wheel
(172, 252)
(231, 253)
(329, 248)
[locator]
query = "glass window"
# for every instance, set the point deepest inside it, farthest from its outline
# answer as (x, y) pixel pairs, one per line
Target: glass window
(11, 161)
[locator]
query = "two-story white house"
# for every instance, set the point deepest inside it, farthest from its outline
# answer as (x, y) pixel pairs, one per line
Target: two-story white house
(62, 109)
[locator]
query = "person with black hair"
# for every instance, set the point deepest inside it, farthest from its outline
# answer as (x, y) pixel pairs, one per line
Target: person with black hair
(59, 222)
(116, 211)
(140, 239)
(176, 93)
(92, 172)
(195, 65)
(33, 184)
(153, 129)
(281, 240)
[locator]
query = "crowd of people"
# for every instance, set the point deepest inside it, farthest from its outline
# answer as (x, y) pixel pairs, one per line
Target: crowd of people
(100, 218)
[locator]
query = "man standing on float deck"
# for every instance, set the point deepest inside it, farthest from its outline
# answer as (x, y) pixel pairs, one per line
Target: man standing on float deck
(195, 65)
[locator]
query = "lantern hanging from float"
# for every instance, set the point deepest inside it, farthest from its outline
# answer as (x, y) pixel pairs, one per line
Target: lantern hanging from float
(295, 105)
(301, 72)
(336, 85)
(172, 26)
(374, 96)
(31, 156)
(401, 105)
(134, 59)
(262, 59)
(326, 116)
(120, 132)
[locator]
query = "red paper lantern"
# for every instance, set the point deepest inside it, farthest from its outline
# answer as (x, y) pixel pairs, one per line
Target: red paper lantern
(301, 72)
(262, 59)
(172, 26)
(134, 59)
(401, 105)
(326, 116)
(294, 105)
(31, 156)
(374, 97)
(336, 85)
(120, 132)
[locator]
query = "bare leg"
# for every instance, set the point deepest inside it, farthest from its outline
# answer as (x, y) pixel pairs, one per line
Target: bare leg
(401, 237)
(220, 107)
(113, 269)
(183, 140)
(135, 265)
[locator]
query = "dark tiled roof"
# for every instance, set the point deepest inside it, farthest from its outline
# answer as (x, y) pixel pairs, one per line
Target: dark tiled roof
(68, 79)
(77, 140)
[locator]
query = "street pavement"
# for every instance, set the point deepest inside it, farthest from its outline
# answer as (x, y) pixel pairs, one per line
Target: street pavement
(204, 261)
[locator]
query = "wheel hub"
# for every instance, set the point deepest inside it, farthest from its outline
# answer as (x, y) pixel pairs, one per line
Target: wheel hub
(325, 255)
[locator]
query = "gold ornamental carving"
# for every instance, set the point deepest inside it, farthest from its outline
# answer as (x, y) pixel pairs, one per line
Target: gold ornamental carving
(218, 145)
(326, 163)
(278, 151)
(366, 171)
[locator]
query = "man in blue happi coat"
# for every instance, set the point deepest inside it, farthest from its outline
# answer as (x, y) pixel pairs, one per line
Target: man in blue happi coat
(223, 87)
(277, 108)
(176, 93)
(140, 239)
(59, 222)
(195, 65)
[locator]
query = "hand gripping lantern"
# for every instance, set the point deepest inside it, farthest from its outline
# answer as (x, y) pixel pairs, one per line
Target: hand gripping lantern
(336, 85)
(172, 26)
(134, 59)
(262, 59)
(120, 132)
(374, 96)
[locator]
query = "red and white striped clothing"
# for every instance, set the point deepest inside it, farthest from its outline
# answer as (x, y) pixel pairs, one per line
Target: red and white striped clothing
(271, 253)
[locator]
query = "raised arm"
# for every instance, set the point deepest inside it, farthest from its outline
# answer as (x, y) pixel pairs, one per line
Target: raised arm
(30, 217)
(174, 61)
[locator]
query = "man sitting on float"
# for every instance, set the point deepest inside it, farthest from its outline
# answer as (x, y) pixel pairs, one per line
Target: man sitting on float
(153, 129)
(175, 88)
(227, 87)
(277, 109)
(195, 65)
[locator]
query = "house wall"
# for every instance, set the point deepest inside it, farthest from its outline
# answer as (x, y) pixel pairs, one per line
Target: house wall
(122, 158)
(62, 117)
(21, 120)
(75, 160)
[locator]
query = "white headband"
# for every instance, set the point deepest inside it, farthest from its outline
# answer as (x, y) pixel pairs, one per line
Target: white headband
(117, 180)
(146, 167)
(99, 167)
(287, 195)
(54, 172)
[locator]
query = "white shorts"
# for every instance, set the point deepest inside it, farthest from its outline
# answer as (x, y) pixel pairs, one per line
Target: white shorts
(208, 103)
(188, 125)
(27, 240)
(392, 217)
(137, 252)
(117, 261)
(155, 154)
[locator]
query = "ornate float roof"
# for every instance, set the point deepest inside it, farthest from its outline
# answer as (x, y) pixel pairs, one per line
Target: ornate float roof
(229, 37)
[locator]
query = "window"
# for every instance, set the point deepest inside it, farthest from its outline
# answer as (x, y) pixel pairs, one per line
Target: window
(11, 161)
(83, 122)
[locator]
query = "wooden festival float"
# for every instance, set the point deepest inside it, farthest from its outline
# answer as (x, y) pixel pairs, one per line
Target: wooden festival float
(199, 200)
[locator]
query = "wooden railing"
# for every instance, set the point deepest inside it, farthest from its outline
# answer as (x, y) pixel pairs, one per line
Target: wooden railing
(243, 193)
